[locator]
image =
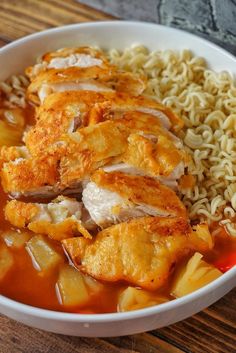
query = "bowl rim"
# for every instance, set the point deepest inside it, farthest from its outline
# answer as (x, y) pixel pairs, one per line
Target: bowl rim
(139, 313)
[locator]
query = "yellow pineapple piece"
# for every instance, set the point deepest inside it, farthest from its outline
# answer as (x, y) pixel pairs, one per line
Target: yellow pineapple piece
(6, 261)
(196, 274)
(71, 287)
(133, 299)
(43, 255)
(15, 239)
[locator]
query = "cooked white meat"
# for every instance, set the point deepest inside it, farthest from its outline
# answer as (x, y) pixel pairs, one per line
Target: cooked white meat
(74, 60)
(115, 197)
(60, 219)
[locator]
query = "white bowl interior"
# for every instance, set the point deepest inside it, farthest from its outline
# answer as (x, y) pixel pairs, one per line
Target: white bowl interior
(14, 58)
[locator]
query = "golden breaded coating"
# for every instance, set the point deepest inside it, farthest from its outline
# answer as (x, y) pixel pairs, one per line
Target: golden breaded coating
(20, 213)
(8, 154)
(89, 78)
(32, 175)
(141, 190)
(118, 104)
(142, 251)
(60, 113)
(53, 219)
(54, 77)
(147, 124)
(91, 148)
(64, 112)
(155, 158)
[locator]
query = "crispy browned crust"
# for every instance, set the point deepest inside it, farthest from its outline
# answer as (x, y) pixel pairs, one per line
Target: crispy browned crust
(141, 190)
(19, 214)
(158, 158)
(30, 174)
(55, 116)
(91, 148)
(59, 231)
(141, 251)
(8, 154)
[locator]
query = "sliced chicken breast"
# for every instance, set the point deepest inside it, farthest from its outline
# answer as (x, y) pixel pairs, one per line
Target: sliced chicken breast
(142, 251)
(116, 197)
(68, 57)
(60, 219)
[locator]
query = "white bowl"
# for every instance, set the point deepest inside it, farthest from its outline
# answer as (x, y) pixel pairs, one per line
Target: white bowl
(116, 34)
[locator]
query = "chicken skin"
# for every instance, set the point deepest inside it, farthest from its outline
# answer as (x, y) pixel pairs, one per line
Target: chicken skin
(142, 251)
(115, 197)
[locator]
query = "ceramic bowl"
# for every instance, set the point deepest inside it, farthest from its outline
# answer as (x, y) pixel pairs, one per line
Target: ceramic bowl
(115, 34)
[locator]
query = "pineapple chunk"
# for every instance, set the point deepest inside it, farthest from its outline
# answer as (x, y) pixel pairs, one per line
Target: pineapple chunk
(6, 261)
(43, 256)
(133, 299)
(15, 239)
(93, 285)
(71, 287)
(196, 274)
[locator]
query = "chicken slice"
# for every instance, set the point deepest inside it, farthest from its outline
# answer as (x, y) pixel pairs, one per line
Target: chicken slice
(61, 113)
(60, 219)
(118, 104)
(32, 176)
(158, 158)
(148, 125)
(116, 197)
(68, 57)
(142, 251)
(90, 148)
(142, 104)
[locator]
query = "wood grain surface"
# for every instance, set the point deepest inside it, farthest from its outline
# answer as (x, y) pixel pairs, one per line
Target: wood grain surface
(211, 331)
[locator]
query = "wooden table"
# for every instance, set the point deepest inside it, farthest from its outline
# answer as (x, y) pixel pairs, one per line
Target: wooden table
(211, 331)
